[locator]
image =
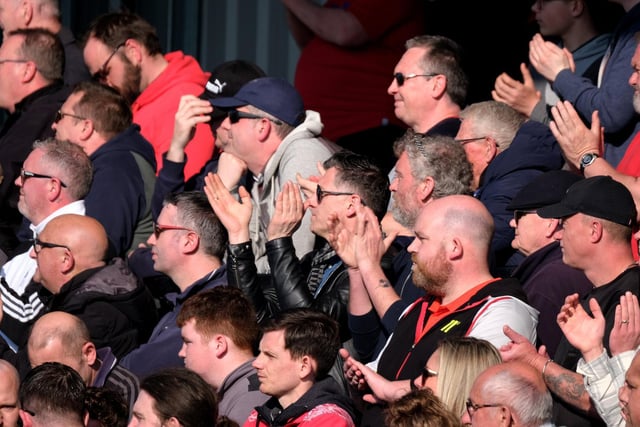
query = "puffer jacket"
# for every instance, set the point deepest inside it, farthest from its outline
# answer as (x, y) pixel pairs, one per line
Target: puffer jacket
(117, 308)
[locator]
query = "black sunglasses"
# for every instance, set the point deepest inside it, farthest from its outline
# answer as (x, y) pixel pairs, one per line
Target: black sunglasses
(60, 115)
(320, 194)
(235, 116)
(401, 78)
(517, 214)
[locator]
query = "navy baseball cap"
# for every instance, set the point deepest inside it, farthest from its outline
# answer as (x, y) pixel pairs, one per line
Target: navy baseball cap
(226, 80)
(598, 196)
(272, 95)
(544, 190)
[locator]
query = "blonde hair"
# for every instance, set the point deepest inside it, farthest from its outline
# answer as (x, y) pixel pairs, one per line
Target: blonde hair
(462, 359)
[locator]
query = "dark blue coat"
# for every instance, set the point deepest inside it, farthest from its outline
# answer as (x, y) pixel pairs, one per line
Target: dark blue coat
(533, 151)
(118, 198)
(161, 351)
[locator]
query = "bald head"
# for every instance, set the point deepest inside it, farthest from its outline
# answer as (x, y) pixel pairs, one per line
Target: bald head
(64, 338)
(85, 237)
(517, 386)
(464, 217)
(9, 395)
(9, 379)
(70, 330)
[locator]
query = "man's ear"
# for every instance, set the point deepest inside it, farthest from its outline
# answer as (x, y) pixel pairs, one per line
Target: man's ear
(308, 367)
(89, 353)
(552, 226)
(426, 188)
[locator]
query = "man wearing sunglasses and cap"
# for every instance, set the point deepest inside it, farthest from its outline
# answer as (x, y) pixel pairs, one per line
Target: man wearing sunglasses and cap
(269, 130)
(545, 278)
(596, 217)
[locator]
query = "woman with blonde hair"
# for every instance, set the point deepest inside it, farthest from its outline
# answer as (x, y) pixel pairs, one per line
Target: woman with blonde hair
(449, 372)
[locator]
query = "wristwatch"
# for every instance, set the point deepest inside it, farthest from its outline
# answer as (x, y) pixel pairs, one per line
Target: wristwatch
(587, 159)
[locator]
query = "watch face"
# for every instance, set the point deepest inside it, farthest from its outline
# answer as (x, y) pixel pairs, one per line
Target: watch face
(587, 159)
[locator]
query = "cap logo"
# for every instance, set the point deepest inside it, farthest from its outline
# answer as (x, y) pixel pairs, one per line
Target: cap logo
(215, 87)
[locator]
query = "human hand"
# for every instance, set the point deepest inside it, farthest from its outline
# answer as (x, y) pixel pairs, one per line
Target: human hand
(230, 170)
(521, 96)
(625, 334)
(310, 185)
(521, 349)
(342, 240)
(234, 215)
(584, 332)
(547, 58)
(352, 373)
(370, 245)
(574, 137)
(288, 213)
(191, 112)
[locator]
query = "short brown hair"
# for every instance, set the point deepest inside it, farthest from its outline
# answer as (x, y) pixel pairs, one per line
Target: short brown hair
(106, 108)
(223, 310)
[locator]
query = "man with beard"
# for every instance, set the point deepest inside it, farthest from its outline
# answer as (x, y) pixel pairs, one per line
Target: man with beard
(123, 51)
(427, 168)
(450, 255)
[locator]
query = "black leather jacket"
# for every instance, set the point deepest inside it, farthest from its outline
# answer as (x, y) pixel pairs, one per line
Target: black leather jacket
(288, 285)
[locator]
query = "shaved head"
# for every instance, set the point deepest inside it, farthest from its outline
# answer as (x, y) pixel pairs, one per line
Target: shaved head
(83, 235)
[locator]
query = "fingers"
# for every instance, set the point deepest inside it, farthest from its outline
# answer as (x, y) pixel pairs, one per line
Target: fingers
(542, 351)
(595, 309)
(344, 353)
(513, 335)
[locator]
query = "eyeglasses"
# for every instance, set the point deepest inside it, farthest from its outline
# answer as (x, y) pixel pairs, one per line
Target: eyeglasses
(401, 78)
(102, 73)
(24, 175)
(473, 407)
(16, 61)
(235, 116)
(320, 193)
(38, 245)
(158, 229)
(468, 140)
(60, 115)
(517, 214)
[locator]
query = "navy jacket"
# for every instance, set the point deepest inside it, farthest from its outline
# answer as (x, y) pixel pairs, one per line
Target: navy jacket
(161, 351)
(614, 98)
(533, 151)
(120, 195)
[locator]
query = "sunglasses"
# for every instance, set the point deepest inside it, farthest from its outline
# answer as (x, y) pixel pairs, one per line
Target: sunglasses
(517, 214)
(60, 115)
(159, 229)
(321, 194)
(401, 78)
(235, 116)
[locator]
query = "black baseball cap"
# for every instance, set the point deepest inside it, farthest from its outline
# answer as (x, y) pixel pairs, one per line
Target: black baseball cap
(598, 196)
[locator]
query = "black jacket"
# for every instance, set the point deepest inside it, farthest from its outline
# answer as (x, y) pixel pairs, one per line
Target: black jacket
(118, 310)
(292, 282)
(30, 121)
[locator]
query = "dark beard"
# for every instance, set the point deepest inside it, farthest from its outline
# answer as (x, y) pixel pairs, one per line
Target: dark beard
(131, 87)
